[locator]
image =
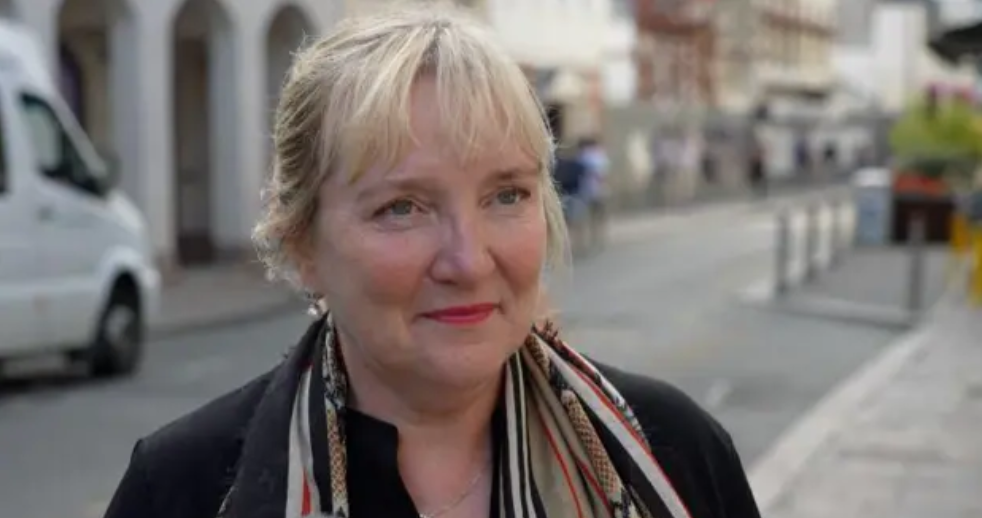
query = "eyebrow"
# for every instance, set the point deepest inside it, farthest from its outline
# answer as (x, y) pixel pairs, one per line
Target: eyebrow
(427, 184)
(396, 185)
(515, 173)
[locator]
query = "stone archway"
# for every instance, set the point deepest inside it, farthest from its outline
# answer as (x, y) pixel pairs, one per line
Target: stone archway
(284, 36)
(202, 57)
(96, 42)
(72, 81)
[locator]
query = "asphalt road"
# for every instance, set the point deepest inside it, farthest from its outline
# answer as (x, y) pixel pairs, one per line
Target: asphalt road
(661, 301)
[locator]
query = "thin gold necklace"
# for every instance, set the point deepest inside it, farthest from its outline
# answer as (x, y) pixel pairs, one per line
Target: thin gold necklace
(457, 501)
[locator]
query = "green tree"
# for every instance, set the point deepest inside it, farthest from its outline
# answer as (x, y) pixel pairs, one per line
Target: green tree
(938, 139)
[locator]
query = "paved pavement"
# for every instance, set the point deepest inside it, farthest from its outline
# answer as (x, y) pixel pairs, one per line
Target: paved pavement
(219, 295)
(663, 302)
(889, 286)
(872, 286)
(900, 439)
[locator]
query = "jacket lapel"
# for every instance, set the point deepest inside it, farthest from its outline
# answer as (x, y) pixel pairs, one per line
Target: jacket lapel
(260, 483)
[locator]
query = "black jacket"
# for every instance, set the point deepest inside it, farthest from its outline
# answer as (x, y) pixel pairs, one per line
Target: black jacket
(184, 469)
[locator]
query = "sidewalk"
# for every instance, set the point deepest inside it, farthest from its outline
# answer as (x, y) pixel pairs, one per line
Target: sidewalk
(871, 286)
(901, 438)
(220, 295)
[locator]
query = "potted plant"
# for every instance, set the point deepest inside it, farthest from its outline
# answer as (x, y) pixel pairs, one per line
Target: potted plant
(937, 147)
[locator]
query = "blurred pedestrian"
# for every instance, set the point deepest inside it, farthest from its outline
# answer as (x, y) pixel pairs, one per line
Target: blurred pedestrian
(594, 190)
(570, 176)
(802, 156)
(664, 152)
(708, 159)
(756, 168)
(411, 199)
(830, 159)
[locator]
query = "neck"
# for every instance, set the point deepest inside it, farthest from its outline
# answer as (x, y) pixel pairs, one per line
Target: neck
(428, 415)
(445, 433)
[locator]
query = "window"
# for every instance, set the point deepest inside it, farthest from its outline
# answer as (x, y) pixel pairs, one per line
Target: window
(56, 155)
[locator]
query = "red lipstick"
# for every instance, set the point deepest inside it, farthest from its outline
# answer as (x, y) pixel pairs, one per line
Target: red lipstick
(462, 315)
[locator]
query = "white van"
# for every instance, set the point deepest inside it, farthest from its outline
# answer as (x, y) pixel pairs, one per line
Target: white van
(77, 274)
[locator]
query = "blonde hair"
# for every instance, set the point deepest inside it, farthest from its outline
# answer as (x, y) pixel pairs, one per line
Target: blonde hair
(345, 107)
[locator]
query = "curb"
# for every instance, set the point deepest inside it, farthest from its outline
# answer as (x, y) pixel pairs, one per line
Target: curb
(262, 312)
(774, 474)
(762, 293)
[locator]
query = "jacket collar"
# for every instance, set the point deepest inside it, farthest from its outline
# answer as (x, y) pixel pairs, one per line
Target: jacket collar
(260, 482)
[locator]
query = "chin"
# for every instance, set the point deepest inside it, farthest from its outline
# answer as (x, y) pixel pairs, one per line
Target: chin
(468, 354)
(465, 364)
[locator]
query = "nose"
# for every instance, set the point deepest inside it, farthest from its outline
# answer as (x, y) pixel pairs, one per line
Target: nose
(464, 257)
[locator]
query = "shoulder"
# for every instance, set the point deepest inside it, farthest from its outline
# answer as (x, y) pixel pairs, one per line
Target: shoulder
(185, 466)
(215, 425)
(664, 411)
(694, 449)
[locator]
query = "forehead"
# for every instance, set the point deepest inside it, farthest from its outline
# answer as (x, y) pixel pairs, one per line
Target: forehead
(435, 128)
(434, 144)
(431, 163)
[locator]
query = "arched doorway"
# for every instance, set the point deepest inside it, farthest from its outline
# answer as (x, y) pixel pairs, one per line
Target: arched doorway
(287, 30)
(94, 44)
(72, 81)
(201, 56)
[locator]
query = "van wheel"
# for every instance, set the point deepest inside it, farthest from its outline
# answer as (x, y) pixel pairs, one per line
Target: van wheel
(118, 347)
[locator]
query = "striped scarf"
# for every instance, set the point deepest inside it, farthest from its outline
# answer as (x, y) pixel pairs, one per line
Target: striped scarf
(553, 463)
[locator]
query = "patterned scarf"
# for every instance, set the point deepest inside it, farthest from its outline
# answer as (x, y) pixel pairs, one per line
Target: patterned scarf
(553, 463)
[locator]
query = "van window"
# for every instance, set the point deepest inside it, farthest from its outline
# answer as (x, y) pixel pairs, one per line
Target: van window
(56, 155)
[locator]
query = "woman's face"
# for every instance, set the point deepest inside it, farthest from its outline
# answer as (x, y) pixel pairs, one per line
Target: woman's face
(433, 268)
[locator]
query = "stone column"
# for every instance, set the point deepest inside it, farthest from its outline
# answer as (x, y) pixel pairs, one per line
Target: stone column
(237, 97)
(144, 128)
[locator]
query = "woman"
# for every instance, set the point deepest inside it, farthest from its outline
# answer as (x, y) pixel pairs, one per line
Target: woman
(411, 197)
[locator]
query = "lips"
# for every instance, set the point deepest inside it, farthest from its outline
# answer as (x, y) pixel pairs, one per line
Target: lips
(462, 315)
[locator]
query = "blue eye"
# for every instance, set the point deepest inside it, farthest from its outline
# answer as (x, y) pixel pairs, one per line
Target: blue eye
(511, 196)
(402, 207)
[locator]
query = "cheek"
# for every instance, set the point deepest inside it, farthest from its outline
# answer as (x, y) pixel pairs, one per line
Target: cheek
(364, 266)
(520, 251)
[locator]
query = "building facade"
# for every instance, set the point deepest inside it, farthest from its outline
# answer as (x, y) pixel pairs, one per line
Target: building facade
(899, 66)
(675, 53)
(894, 65)
(619, 64)
(562, 46)
(179, 93)
(775, 52)
(853, 20)
(775, 71)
